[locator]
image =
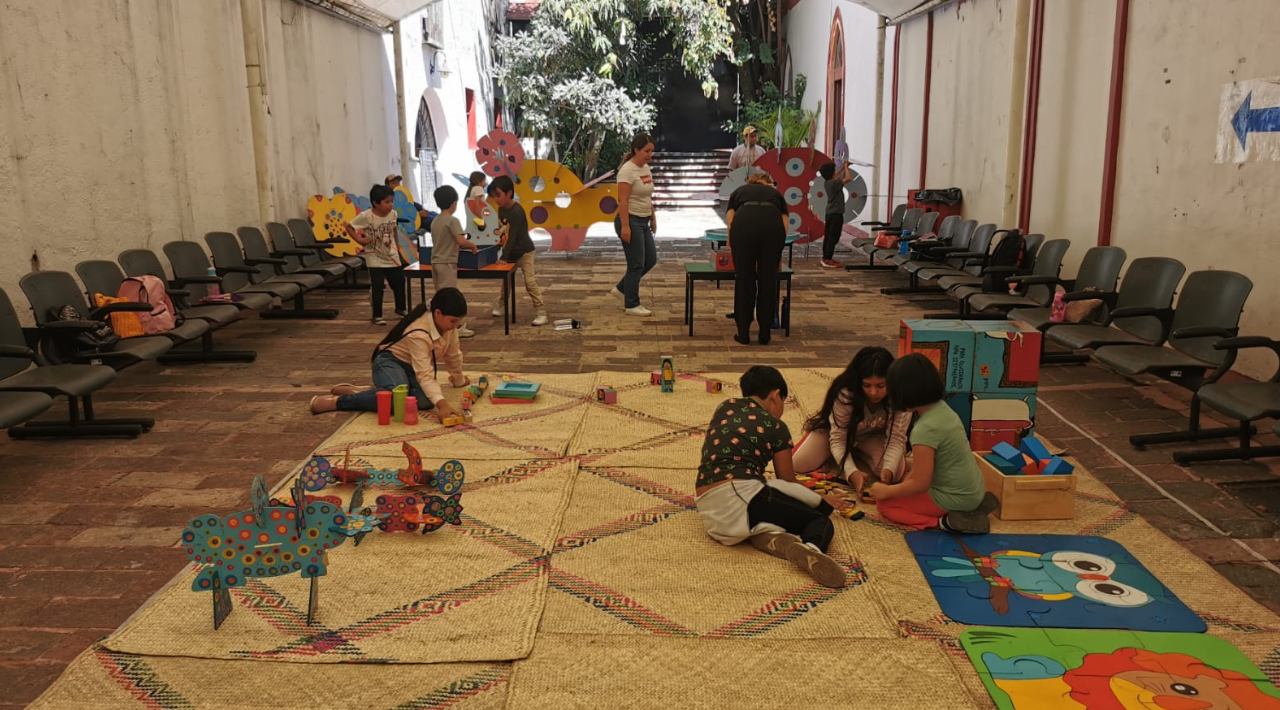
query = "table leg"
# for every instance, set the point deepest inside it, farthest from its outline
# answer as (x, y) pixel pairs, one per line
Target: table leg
(791, 250)
(508, 313)
(689, 303)
(422, 288)
(788, 328)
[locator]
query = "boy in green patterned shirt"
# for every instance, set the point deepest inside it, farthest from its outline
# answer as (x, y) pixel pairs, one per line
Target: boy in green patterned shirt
(735, 499)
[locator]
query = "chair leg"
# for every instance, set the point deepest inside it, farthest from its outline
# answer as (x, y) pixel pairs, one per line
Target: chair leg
(1245, 451)
(1193, 432)
(300, 310)
(75, 426)
(207, 353)
(871, 265)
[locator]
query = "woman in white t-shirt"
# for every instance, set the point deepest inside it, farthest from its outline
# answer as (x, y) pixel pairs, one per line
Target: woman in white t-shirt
(636, 222)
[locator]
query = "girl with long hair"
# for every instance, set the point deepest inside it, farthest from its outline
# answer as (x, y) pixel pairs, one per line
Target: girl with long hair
(636, 222)
(857, 427)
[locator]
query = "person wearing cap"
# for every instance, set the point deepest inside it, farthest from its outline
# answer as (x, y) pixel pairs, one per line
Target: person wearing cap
(748, 152)
(393, 181)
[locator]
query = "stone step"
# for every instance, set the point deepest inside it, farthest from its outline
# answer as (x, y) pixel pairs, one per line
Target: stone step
(678, 204)
(663, 157)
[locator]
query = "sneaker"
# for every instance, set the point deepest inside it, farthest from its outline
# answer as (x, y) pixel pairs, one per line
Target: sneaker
(344, 388)
(497, 312)
(541, 319)
(377, 320)
(465, 332)
(823, 569)
(622, 298)
(829, 264)
(774, 543)
(974, 522)
(638, 311)
(402, 314)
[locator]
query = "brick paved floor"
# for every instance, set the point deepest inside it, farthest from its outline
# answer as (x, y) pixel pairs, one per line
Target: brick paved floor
(87, 529)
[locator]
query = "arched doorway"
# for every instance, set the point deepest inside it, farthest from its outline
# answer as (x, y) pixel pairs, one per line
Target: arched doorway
(424, 142)
(835, 83)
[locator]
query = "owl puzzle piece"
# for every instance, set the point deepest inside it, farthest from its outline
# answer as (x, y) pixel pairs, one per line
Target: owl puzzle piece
(1065, 581)
(329, 217)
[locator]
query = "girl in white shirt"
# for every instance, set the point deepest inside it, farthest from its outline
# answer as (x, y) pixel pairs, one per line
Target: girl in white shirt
(855, 427)
(636, 222)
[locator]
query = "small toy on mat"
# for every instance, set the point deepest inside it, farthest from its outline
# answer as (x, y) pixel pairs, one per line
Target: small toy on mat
(655, 377)
(452, 421)
(606, 394)
(668, 373)
(715, 386)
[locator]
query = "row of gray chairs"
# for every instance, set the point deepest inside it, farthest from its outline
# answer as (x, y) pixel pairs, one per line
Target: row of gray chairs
(258, 274)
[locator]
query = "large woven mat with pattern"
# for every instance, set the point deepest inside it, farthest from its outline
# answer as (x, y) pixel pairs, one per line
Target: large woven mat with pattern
(592, 571)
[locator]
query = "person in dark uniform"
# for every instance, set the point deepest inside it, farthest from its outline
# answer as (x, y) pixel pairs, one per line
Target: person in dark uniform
(757, 219)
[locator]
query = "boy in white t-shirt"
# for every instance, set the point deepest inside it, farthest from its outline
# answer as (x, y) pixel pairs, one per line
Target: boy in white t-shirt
(376, 228)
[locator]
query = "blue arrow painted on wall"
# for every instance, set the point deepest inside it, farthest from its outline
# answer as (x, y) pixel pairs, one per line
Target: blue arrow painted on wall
(1254, 120)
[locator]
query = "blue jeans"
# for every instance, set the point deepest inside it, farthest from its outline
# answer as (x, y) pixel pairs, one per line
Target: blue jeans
(388, 371)
(642, 255)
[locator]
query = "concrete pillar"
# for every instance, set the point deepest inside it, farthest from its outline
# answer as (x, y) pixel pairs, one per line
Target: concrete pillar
(402, 120)
(1017, 107)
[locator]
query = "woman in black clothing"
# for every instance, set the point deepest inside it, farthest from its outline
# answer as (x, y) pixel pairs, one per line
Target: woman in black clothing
(757, 221)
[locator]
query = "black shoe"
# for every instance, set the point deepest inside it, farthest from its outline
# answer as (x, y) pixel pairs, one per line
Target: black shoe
(742, 339)
(764, 339)
(730, 316)
(975, 521)
(402, 314)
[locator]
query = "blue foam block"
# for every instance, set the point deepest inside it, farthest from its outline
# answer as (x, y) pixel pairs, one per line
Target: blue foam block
(1032, 447)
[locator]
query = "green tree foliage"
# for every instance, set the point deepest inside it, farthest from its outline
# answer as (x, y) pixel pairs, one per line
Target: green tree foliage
(797, 121)
(586, 73)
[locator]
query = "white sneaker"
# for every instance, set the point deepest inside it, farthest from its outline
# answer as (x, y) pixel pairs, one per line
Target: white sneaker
(464, 332)
(497, 312)
(541, 319)
(622, 298)
(638, 311)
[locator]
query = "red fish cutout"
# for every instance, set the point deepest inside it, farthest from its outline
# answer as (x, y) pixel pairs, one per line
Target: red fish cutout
(397, 509)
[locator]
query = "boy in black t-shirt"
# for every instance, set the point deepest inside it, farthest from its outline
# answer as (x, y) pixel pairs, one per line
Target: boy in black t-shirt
(735, 499)
(833, 182)
(517, 246)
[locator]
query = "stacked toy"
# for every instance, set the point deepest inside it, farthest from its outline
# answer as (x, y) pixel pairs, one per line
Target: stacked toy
(990, 370)
(510, 392)
(1031, 459)
(824, 483)
(606, 394)
(470, 396)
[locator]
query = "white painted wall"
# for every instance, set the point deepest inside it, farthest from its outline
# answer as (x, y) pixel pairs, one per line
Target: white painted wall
(1172, 198)
(906, 163)
(126, 124)
(1075, 77)
(460, 27)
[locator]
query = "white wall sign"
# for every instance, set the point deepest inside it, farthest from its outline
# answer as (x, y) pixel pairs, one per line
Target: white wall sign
(1249, 121)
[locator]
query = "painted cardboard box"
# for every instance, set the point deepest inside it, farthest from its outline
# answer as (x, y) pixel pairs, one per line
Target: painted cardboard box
(1000, 417)
(949, 345)
(1006, 357)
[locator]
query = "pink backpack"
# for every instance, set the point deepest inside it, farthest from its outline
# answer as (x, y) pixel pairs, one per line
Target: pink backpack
(151, 291)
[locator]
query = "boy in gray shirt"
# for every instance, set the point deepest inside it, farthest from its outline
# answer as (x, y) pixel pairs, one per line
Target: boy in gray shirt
(447, 236)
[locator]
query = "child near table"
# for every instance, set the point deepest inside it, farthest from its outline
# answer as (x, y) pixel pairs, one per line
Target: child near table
(944, 489)
(377, 230)
(447, 237)
(735, 499)
(517, 246)
(475, 198)
(856, 427)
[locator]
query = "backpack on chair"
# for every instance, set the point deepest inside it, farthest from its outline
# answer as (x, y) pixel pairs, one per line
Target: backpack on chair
(150, 290)
(1011, 251)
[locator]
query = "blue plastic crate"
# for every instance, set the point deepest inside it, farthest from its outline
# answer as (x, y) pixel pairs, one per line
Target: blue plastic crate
(480, 259)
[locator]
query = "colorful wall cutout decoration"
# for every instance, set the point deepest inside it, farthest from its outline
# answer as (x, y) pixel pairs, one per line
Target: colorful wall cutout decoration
(1063, 581)
(329, 217)
(1068, 669)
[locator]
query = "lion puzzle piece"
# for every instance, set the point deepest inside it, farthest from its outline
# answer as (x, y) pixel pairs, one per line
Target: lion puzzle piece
(264, 541)
(1066, 668)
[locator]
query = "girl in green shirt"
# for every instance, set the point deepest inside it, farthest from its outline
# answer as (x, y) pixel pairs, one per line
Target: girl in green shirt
(944, 488)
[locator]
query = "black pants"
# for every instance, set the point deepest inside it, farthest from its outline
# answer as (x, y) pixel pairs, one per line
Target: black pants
(831, 235)
(756, 254)
(811, 524)
(395, 279)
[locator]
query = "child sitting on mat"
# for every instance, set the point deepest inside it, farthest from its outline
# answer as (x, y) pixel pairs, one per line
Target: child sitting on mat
(735, 499)
(944, 488)
(856, 427)
(409, 356)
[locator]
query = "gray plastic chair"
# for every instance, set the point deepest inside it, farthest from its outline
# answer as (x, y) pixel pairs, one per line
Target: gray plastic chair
(1202, 347)
(1031, 246)
(924, 226)
(98, 275)
(191, 272)
(258, 256)
(23, 388)
(895, 222)
(282, 247)
(49, 291)
(1142, 313)
(306, 239)
(1099, 269)
(931, 254)
(144, 262)
(963, 261)
(909, 221)
(943, 234)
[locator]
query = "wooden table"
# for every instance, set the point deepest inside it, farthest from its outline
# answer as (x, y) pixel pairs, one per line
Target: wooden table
(704, 271)
(720, 237)
(503, 272)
